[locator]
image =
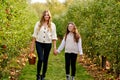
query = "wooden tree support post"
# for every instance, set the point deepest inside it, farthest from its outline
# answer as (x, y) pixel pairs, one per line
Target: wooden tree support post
(103, 64)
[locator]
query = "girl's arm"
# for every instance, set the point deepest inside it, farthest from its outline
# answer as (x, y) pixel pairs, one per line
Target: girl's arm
(62, 45)
(80, 50)
(80, 47)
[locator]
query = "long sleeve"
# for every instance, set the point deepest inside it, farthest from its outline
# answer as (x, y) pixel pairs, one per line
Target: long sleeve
(35, 30)
(54, 34)
(80, 47)
(62, 45)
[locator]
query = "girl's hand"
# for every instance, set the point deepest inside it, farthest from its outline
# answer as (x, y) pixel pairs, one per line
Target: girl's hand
(80, 58)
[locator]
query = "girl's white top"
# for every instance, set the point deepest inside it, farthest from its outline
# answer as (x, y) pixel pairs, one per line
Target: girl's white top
(43, 34)
(70, 45)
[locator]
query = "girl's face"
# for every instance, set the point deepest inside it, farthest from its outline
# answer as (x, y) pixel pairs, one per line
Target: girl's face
(46, 16)
(71, 27)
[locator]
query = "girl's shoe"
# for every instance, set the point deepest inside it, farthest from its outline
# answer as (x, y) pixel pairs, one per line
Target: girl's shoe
(73, 78)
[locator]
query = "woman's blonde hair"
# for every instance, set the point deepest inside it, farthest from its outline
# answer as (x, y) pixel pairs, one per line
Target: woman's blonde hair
(75, 32)
(42, 20)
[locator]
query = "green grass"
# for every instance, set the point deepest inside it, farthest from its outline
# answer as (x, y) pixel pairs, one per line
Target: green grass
(56, 70)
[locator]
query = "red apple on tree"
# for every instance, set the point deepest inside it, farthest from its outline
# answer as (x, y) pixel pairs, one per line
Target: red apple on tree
(4, 46)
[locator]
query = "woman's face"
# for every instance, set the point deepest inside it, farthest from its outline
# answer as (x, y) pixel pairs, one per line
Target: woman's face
(71, 27)
(46, 16)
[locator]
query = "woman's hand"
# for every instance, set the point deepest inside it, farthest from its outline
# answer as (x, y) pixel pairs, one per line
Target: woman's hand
(55, 52)
(54, 47)
(32, 49)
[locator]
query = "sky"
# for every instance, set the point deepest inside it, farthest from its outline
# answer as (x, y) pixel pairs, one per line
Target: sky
(43, 1)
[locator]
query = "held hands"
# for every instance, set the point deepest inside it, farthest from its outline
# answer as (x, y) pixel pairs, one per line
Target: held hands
(55, 52)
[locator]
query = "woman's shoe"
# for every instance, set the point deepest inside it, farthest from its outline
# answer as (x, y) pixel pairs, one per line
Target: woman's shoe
(38, 77)
(42, 77)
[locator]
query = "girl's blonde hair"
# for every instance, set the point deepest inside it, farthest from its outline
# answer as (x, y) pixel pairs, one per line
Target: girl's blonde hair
(42, 20)
(75, 32)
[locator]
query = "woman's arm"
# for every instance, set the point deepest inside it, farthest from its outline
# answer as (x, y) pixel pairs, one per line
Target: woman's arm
(54, 37)
(35, 33)
(32, 47)
(54, 46)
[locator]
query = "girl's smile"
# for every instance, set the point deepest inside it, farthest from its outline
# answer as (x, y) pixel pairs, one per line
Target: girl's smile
(70, 27)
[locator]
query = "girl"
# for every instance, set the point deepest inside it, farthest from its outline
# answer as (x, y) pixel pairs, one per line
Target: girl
(43, 36)
(73, 46)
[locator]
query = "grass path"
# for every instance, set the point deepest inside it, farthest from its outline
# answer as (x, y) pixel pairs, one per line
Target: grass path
(55, 70)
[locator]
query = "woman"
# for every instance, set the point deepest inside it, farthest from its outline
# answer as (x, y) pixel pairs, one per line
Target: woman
(43, 36)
